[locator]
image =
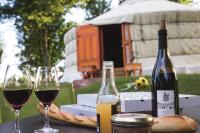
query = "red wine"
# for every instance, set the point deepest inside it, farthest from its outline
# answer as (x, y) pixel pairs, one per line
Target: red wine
(165, 100)
(16, 98)
(46, 96)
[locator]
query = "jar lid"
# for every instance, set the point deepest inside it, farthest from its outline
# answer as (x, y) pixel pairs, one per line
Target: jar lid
(132, 118)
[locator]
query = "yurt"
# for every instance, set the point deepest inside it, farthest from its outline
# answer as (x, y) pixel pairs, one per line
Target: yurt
(129, 34)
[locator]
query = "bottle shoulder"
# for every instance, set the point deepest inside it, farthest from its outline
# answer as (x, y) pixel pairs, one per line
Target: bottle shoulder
(167, 81)
(106, 90)
(164, 70)
(163, 64)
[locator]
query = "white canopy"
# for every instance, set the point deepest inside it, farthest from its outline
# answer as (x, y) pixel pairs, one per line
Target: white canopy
(148, 12)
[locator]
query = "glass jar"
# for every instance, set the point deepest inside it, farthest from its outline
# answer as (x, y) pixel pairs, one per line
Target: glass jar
(132, 123)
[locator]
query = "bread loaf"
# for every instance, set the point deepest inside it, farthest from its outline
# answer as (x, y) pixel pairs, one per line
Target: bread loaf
(174, 124)
(54, 112)
(167, 124)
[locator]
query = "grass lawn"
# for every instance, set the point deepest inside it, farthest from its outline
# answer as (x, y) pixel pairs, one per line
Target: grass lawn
(65, 96)
(188, 84)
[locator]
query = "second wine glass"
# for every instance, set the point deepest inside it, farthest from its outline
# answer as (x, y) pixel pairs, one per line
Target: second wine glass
(46, 89)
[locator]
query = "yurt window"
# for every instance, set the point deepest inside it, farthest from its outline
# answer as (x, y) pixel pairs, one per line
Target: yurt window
(112, 44)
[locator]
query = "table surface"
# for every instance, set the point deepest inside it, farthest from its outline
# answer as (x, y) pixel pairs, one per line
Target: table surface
(29, 124)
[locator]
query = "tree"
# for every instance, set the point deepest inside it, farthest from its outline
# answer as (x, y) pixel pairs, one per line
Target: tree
(95, 8)
(41, 27)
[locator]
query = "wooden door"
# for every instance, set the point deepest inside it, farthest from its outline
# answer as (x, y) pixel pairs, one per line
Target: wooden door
(88, 48)
(127, 44)
(129, 64)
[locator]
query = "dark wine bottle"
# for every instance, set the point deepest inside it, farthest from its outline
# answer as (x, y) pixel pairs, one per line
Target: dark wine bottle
(165, 100)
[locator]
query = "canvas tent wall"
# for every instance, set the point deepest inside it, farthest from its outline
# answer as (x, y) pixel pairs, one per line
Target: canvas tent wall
(71, 72)
(143, 16)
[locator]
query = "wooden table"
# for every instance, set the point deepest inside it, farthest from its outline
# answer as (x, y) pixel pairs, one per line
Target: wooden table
(28, 125)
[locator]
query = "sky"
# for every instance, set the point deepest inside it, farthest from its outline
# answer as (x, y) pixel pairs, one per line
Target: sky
(9, 38)
(78, 14)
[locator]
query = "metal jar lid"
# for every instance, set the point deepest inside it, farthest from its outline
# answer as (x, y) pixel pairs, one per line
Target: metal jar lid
(132, 119)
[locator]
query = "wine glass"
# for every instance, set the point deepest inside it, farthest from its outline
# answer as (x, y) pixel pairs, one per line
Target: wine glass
(46, 89)
(17, 88)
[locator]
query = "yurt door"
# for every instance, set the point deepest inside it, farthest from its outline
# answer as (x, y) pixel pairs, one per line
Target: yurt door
(88, 48)
(128, 56)
(112, 44)
(126, 45)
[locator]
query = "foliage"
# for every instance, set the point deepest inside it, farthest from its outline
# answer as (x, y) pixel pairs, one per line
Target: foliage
(95, 8)
(182, 1)
(33, 50)
(41, 27)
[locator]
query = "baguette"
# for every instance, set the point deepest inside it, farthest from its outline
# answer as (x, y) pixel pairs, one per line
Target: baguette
(54, 112)
(167, 124)
(174, 124)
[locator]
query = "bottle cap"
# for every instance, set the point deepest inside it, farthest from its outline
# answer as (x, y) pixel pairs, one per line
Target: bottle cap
(163, 24)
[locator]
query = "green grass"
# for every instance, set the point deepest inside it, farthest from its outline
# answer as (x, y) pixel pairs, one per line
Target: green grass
(65, 96)
(188, 84)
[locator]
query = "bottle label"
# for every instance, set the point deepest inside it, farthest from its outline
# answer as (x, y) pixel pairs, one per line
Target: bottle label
(104, 114)
(165, 102)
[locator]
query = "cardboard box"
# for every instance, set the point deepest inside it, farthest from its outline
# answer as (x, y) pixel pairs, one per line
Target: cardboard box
(134, 102)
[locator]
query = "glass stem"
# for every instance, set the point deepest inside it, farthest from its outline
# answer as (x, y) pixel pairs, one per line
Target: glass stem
(17, 129)
(46, 124)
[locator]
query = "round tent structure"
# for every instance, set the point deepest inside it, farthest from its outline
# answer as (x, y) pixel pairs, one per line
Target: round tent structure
(128, 34)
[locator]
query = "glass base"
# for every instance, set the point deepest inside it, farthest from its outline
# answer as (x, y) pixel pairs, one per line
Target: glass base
(46, 130)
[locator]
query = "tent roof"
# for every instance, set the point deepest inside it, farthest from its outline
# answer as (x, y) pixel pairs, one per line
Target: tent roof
(148, 11)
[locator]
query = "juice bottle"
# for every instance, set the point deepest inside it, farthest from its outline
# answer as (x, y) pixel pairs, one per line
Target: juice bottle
(107, 99)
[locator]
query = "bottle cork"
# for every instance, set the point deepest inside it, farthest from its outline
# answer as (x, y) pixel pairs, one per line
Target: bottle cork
(163, 24)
